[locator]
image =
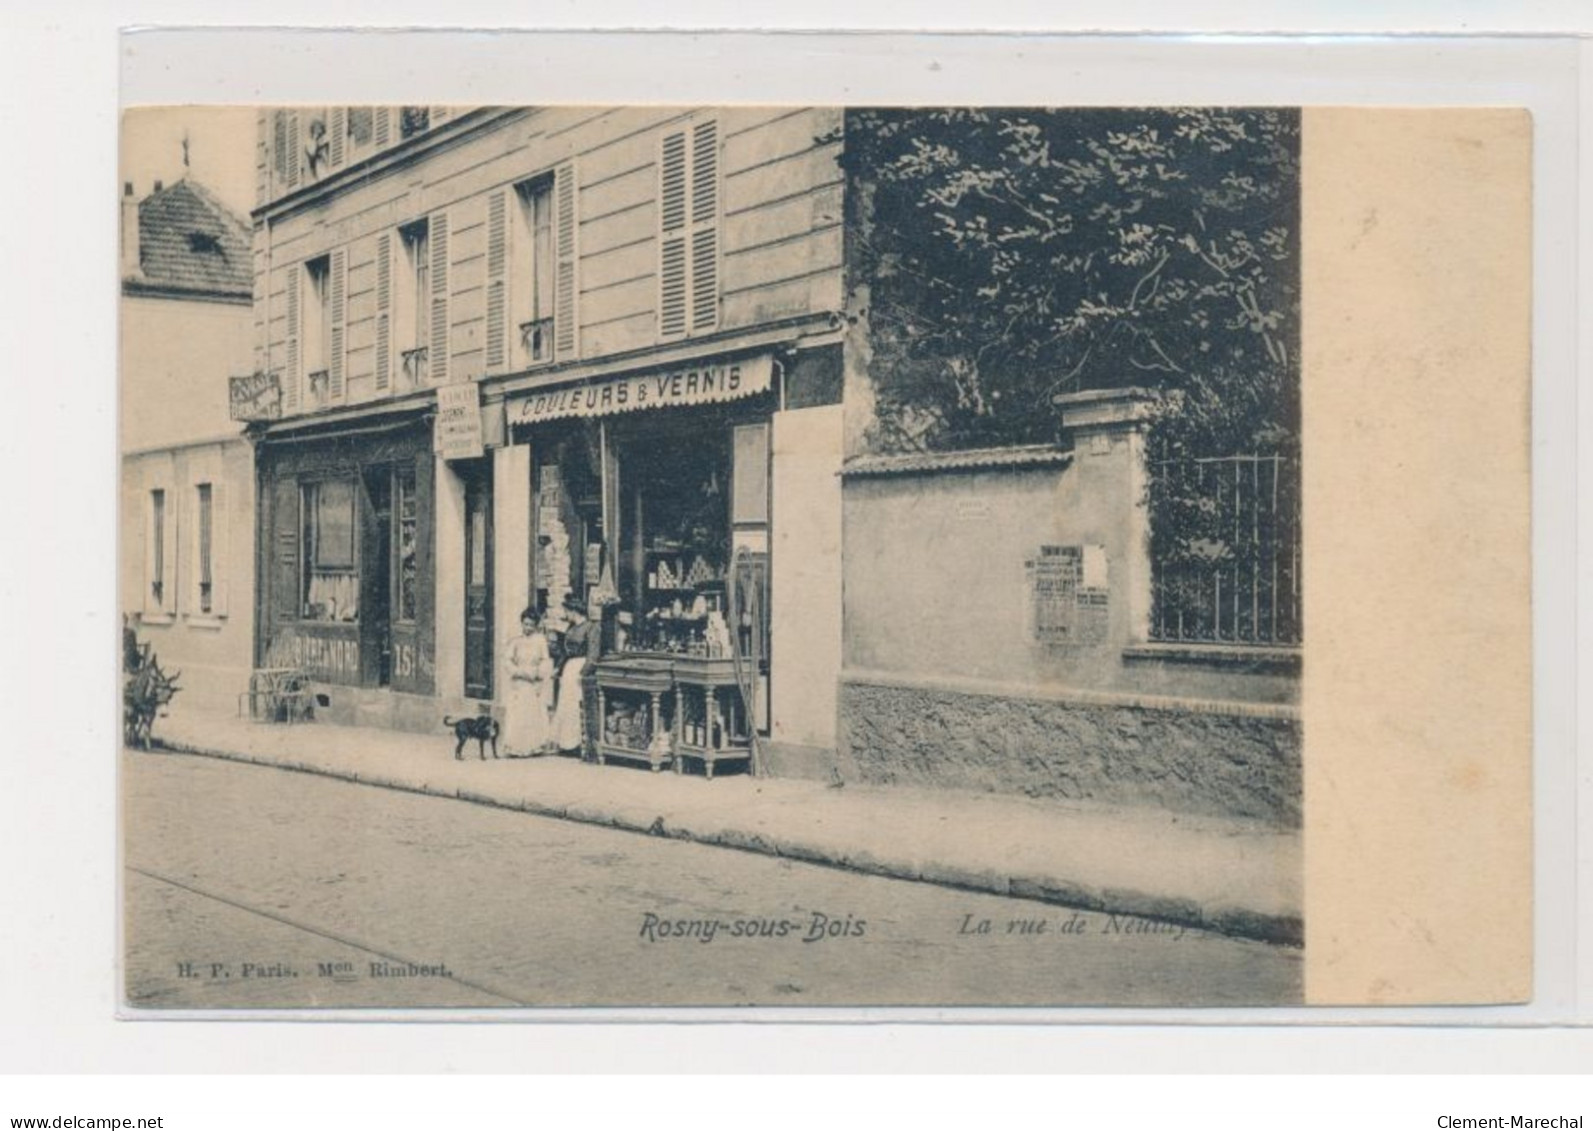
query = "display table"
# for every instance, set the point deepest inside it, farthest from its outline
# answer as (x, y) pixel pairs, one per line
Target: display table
(661, 709)
(636, 686)
(709, 726)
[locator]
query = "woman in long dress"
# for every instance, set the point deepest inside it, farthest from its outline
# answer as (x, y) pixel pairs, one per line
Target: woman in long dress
(527, 730)
(567, 732)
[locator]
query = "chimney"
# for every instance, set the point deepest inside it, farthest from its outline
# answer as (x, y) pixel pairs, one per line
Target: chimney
(131, 252)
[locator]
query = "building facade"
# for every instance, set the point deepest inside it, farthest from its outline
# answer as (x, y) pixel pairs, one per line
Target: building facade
(187, 513)
(622, 355)
(525, 354)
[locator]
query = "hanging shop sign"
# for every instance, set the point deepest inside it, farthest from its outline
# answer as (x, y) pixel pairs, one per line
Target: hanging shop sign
(702, 383)
(255, 397)
(458, 430)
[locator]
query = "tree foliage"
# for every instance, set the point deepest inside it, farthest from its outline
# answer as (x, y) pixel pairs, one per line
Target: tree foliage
(1011, 255)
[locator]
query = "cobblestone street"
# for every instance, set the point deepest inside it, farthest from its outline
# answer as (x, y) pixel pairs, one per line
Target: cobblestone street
(258, 888)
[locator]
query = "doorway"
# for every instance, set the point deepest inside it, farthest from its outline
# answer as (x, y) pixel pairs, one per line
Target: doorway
(477, 477)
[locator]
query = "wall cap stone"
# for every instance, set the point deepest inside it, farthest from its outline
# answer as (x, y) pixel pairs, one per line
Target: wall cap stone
(1253, 658)
(1072, 696)
(1106, 409)
(970, 459)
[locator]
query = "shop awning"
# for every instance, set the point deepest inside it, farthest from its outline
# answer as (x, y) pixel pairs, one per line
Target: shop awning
(698, 383)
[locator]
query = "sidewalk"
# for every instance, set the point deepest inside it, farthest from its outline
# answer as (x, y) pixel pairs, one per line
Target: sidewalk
(1234, 877)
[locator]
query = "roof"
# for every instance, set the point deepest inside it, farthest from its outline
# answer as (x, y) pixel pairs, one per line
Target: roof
(189, 241)
(972, 459)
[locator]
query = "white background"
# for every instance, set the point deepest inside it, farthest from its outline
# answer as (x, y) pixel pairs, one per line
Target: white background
(58, 466)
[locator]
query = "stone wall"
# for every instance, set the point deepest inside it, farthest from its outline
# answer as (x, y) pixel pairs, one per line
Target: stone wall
(1185, 759)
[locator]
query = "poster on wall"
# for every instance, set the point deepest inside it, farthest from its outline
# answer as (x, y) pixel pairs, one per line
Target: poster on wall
(1018, 713)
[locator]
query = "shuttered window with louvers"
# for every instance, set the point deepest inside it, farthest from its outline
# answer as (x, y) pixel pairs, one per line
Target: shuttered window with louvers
(335, 382)
(705, 226)
(438, 343)
(262, 160)
(566, 303)
(339, 135)
(497, 280)
(384, 312)
(292, 378)
(672, 191)
(294, 152)
(688, 211)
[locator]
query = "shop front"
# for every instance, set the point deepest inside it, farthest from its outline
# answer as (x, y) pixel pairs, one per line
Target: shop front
(346, 547)
(651, 506)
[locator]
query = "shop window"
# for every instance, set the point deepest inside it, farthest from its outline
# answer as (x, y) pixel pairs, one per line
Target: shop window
(406, 527)
(331, 577)
(317, 326)
(568, 514)
(411, 300)
(531, 283)
(688, 195)
(675, 539)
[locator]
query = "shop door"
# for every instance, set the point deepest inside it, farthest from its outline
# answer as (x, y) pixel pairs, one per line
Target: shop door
(376, 614)
(478, 582)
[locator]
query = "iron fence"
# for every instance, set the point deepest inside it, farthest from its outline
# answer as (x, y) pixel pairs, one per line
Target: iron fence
(1225, 546)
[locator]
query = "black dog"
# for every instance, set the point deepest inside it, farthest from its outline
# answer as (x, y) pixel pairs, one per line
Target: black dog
(482, 728)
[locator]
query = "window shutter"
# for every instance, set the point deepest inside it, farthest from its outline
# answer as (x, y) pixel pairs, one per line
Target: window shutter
(672, 182)
(279, 150)
(219, 542)
(688, 216)
(383, 130)
(262, 158)
(437, 352)
(566, 302)
(672, 236)
(705, 227)
(384, 306)
(497, 283)
(339, 128)
(339, 285)
(295, 154)
(672, 293)
(291, 379)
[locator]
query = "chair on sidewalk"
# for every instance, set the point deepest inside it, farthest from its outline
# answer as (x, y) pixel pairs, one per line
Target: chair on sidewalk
(278, 695)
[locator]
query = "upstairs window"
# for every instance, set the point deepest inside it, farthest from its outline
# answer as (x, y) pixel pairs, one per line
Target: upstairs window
(317, 328)
(533, 303)
(411, 299)
(413, 120)
(316, 132)
(531, 284)
(360, 124)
